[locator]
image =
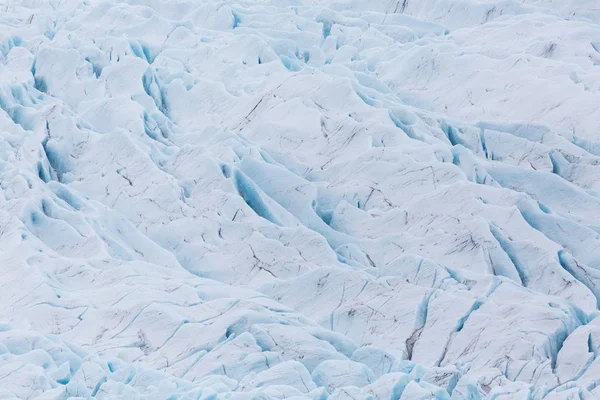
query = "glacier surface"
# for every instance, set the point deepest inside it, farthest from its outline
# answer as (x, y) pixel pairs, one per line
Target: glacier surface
(303, 199)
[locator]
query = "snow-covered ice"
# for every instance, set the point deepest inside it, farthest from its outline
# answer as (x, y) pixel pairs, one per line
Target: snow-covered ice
(305, 199)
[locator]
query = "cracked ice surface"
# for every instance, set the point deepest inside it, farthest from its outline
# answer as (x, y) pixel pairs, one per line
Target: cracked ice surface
(342, 199)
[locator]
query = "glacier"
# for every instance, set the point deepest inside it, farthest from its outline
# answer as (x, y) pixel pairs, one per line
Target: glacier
(303, 199)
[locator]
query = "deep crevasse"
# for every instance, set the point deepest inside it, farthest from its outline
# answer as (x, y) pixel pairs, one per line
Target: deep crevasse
(294, 199)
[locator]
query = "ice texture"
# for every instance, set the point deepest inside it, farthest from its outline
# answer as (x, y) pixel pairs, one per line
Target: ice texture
(299, 199)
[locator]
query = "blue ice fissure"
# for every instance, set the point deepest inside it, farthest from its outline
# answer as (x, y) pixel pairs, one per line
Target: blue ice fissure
(251, 195)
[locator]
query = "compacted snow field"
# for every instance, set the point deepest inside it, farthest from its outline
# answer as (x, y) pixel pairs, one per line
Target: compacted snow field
(342, 199)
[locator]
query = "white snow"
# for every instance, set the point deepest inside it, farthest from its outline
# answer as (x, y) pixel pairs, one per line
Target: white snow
(343, 199)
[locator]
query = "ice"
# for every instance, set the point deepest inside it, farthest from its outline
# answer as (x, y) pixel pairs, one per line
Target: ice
(305, 199)
(334, 374)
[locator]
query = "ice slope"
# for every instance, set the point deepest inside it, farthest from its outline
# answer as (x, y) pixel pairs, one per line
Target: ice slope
(294, 199)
